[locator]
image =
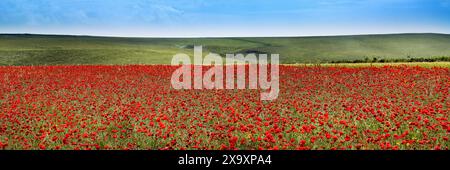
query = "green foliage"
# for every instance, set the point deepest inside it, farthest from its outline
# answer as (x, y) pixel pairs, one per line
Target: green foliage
(396, 60)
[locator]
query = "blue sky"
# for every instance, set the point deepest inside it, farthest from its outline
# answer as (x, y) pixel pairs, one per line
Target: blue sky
(194, 18)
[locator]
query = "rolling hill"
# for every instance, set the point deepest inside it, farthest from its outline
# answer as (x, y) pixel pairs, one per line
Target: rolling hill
(29, 49)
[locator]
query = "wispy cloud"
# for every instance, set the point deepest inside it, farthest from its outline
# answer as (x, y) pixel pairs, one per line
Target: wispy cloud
(198, 17)
(73, 12)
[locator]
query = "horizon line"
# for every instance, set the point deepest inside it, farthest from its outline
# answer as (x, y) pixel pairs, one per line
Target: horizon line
(281, 36)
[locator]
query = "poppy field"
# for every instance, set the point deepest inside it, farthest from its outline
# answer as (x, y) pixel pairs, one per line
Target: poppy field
(134, 107)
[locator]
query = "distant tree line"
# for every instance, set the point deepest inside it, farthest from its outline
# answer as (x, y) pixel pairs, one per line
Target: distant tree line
(397, 60)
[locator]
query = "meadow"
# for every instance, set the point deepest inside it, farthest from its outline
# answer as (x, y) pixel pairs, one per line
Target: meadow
(74, 50)
(135, 107)
(85, 93)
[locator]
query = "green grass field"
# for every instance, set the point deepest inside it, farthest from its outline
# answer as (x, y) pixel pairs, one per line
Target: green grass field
(59, 50)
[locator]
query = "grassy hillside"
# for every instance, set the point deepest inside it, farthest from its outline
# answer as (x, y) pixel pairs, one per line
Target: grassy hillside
(52, 49)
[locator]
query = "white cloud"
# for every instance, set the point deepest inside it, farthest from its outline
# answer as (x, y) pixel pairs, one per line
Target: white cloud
(97, 12)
